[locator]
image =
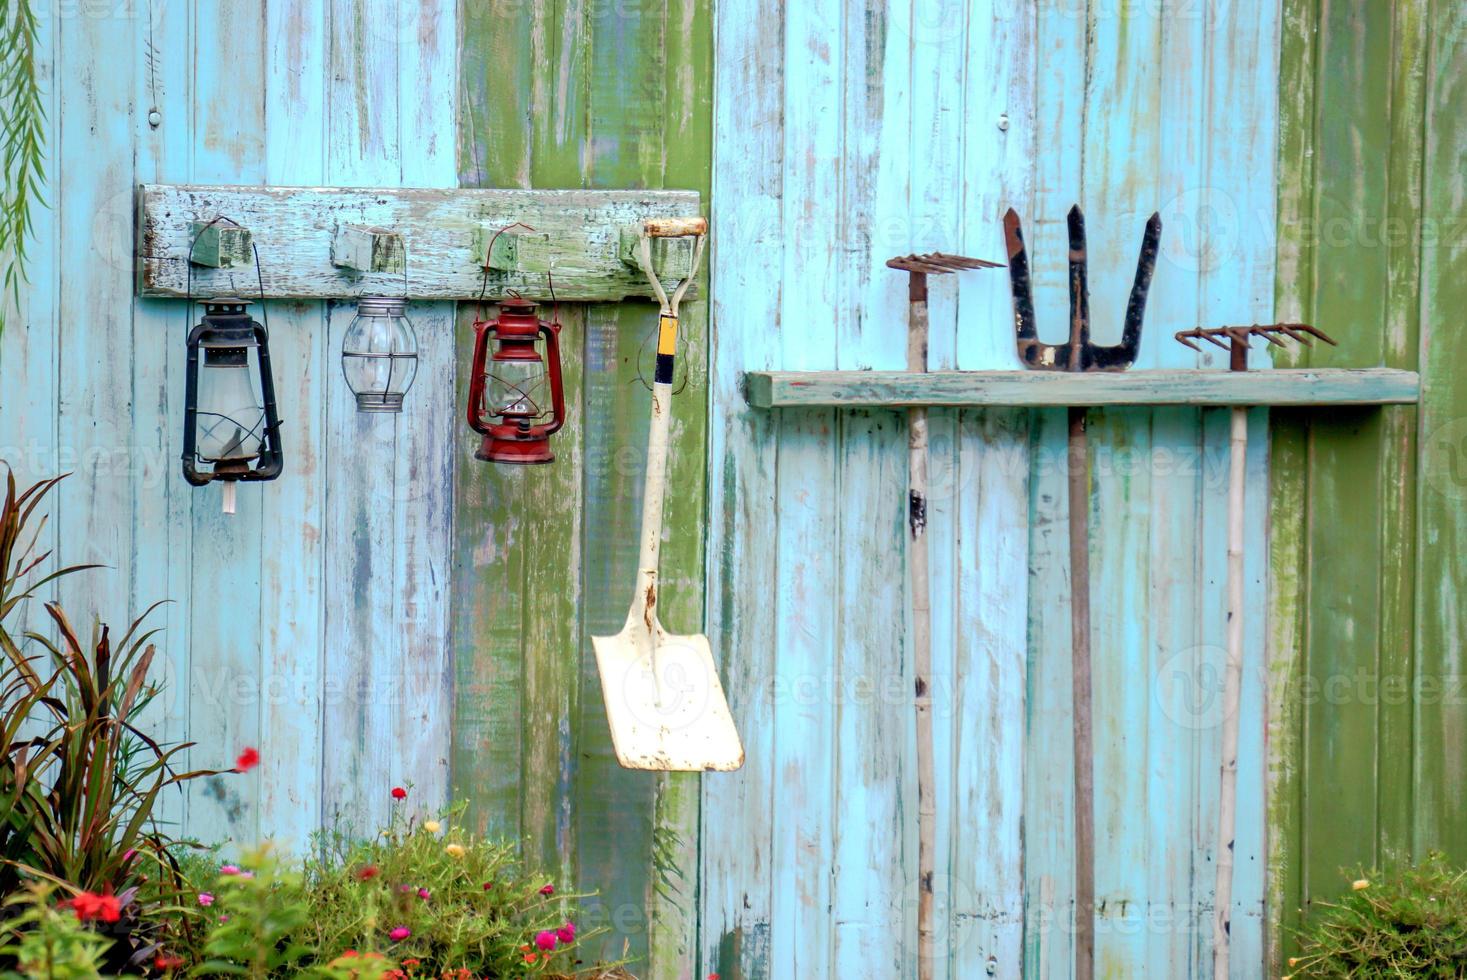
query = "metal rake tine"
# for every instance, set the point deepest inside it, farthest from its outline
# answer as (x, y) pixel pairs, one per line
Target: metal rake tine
(957, 262)
(1185, 337)
(1267, 333)
(1315, 331)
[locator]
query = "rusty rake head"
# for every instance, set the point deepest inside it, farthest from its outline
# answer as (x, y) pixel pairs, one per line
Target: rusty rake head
(938, 263)
(1236, 340)
(932, 264)
(1078, 354)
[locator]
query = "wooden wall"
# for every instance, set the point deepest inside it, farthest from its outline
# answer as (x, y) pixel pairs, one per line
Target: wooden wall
(312, 623)
(1369, 722)
(849, 131)
(393, 611)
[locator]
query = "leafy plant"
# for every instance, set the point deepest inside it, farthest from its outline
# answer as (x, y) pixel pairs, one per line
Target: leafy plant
(259, 913)
(1410, 923)
(438, 899)
(49, 941)
(22, 138)
(78, 778)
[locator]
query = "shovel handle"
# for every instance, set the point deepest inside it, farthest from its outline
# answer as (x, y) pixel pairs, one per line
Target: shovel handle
(675, 227)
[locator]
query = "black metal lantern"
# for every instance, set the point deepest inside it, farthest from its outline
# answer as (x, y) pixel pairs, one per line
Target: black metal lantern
(231, 429)
(379, 354)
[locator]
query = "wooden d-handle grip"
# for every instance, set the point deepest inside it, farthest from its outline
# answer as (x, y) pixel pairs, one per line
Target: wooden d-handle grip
(674, 227)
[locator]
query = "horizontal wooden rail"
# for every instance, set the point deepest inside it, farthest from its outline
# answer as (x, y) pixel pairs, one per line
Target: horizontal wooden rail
(851, 389)
(341, 242)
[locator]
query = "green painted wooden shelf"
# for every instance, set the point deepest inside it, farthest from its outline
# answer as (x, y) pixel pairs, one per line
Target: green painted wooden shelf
(1037, 389)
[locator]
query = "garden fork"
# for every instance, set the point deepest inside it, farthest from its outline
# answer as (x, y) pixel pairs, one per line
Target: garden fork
(1079, 354)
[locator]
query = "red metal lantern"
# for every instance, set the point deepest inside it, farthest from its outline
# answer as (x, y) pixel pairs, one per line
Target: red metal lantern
(511, 386)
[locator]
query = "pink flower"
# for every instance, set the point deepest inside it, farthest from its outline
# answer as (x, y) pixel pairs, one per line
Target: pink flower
(229, 869)
(399, 934)
(423, 894)
(404, 888)
(545, 940)
(398, 793)
(129, 854)
(566, 933)
(206, 899)
(548, 890)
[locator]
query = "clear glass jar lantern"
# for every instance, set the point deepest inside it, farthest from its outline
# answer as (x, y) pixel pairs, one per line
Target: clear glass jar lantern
(379, 354)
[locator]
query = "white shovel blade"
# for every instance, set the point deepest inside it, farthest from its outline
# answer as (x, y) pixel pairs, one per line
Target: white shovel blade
(687, 728)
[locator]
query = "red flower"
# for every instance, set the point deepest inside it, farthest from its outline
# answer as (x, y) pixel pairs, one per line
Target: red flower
(398, 793)
(548, 890)
(367, 873)
(89, 906)
(529, 957)
(165, 962)
(248, 759)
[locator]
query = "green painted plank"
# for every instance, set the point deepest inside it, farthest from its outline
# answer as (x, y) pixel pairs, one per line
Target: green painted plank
(551, 625)
(1343, 615)
(487, 585)
(496, 76)
(1351, 151)
(808, 389)
(1289, 486)
(1441, 723)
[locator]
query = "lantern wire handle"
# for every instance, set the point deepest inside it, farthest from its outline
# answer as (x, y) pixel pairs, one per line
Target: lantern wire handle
(488, 254)
(188, 290)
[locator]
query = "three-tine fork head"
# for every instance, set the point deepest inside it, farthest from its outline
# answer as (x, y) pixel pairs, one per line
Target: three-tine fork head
(1078, 354)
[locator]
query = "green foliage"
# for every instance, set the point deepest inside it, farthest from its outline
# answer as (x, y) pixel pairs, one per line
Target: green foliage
(260, 916)
(1411, 923)
(78, 778)
(22, 138)
(465, 901)
(49, 942)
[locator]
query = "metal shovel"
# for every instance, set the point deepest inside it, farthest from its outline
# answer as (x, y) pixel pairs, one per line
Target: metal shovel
(663, 698)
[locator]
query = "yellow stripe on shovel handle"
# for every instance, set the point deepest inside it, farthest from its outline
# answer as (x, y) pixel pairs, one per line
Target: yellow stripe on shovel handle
(666, 347)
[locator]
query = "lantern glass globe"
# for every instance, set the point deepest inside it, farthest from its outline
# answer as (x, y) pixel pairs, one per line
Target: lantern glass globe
(231, 413)
(379, 354)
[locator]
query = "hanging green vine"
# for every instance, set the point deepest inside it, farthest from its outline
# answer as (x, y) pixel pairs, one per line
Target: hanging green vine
(22, 140)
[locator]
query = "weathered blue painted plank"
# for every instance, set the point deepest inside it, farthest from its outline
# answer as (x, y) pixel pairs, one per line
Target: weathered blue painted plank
(737, 886)
(292, 569)
(225, 661)
(162, 563)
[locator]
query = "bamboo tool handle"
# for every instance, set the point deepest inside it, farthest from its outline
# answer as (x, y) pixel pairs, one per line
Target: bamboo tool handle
(917, 328)
(1084, 746)
(1232, 697)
